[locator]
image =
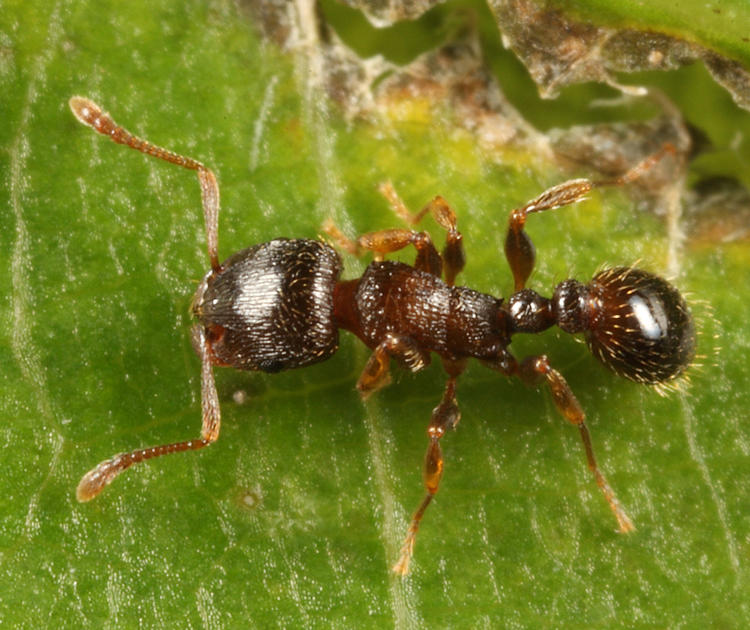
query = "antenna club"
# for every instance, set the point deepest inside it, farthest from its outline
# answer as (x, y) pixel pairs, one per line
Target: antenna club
(90, 114)
(84, 109)
(98, 478)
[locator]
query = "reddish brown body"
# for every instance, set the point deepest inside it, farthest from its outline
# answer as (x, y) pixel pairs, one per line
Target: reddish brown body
(279, 305)
(394, 298)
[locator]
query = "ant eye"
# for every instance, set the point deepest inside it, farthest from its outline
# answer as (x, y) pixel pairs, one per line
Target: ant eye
(640, 326)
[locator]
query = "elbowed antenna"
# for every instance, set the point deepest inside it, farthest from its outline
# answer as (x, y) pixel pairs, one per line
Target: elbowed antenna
(90, 114)
(93, 482)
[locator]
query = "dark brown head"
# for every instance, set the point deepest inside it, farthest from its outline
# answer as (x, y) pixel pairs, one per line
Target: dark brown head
(270, 307)
(635, 322)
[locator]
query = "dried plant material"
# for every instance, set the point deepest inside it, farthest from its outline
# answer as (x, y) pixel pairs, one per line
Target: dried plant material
(383, 13)
(348, 79)
(560, 51)
(718, 211)
(731, 75)
(612, 148)
(456, 77)
(274, 19)
(453, 79)
(557, 49)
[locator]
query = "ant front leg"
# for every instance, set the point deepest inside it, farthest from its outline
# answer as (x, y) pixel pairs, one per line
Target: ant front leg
(96, 480)
(533, 371)
(376, 373)
(444, 417)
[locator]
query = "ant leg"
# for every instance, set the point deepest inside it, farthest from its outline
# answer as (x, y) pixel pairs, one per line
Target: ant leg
(639, 169)
(376, 374)
(454, 257)
(341, 240)
(533, 371)
(90, 114)
(94, 481)
(388, 241)
(519, 250)
(444, 417)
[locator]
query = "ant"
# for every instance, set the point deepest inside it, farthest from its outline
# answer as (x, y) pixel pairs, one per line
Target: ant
(279, 305)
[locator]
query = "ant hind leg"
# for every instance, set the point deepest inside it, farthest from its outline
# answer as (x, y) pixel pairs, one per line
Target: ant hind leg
(536, 370)
(519, 249)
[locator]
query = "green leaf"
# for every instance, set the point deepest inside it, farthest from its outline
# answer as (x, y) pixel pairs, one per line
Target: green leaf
(294, 517)
(722, 28)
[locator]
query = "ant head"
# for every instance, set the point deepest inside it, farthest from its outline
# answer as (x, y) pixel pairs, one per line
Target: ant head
(635, 322)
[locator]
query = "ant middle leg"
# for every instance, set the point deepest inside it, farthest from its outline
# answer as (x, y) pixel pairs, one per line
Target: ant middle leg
(454, 257)
(444, 417)
(519, 249)
(537, 369)
(94, 481)
(384, 242)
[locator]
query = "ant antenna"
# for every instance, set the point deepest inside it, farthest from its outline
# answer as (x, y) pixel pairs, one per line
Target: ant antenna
(89, 113)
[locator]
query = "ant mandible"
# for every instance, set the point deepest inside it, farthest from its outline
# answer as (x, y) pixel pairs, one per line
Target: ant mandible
(279, 305)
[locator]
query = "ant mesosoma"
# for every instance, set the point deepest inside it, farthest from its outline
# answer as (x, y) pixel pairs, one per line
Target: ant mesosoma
(279, 305)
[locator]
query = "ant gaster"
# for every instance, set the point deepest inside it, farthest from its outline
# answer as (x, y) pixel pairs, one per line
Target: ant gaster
(279, 305)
